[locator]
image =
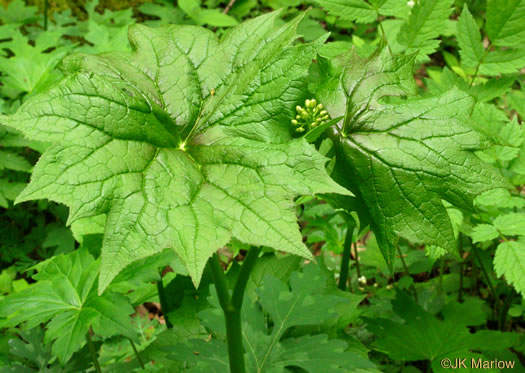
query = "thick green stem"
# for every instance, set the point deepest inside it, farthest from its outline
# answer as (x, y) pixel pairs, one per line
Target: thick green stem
(242, 280)
(231, 306)
(163, 302)
(93, 353)
(137, 355)
(234, 339)
(220, 283)
(345, 260)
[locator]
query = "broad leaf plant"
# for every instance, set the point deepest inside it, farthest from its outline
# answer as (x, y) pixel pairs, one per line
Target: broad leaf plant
(188, 141)
(183, 143)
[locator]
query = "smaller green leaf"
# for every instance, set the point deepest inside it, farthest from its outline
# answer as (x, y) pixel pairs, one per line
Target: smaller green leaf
(498, 198)
(428, 19)
(9, 191)
(516, 100)
(109, 18)
(335, 48)
(505, 26)
(493, 88)
(18, 13)
(297, 307)
(61, 238)
(88, 226)
(472, 312)
(7, 277)
(13, 161)
(138, 280)
(30, 345)
(167, 13)
(364, 11)
(354, 10)
(469, 39)
(509, 261)
(157, 349)
(66, 295)
(278, 4)
(310, 28)
(316, 353)
(190, 7)
(495, 125)
(30, 67)
(307, 303)
(494, 340)
(279, 267)
(397, 8)
(512, 134)
(506, 61)
(484, 232)
(314, 133)
(105, 39)
(216, 18)
(201, 16)
(421, 337)
(206, 357)
(511, 224)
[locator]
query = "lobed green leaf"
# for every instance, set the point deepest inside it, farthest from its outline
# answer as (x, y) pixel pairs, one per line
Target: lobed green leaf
(183, 143)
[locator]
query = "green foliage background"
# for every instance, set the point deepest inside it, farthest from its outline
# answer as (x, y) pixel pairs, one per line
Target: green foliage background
(433, 305)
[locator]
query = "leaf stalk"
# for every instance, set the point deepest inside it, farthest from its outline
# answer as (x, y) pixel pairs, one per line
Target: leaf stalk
(480, 62)
(93, 353)
(357, 265)
(163, 302)
(231, 306)
(137, 355)
(405, 267)
(345, 260)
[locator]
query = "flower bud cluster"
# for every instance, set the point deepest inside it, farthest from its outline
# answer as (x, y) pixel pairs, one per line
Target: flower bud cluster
(312, 115)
